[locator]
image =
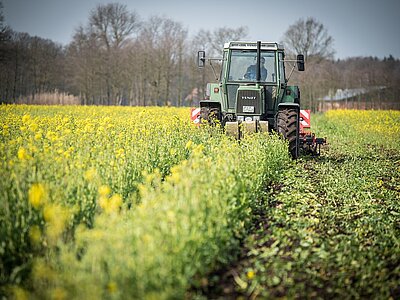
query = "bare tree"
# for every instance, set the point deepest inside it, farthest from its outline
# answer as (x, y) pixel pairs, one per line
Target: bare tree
(32, 65)
(113, 25)
(310, 38)
(84, 66)
(159, 54)
(213, 42)
(170, 52)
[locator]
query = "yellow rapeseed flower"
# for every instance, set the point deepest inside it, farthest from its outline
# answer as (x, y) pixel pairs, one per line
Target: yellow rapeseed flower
(33, 127)
(111, 205)
(5, 129)
(198, 150)
(22, 154)
(56, 218)
(189, 145)
(90, 174)
(37, 195)
(172, 151)
(175, 176)
(116, 199)
(26, 118)
(49, 213)
(38, 136)
(103, 202)
(52, 136)
(104, 190)
(120, 153)
(250, 274)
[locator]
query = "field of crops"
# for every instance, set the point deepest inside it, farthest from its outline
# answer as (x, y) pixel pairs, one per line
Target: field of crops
(138, 203)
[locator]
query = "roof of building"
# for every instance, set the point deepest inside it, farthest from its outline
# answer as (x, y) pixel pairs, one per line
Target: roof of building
(343, 94)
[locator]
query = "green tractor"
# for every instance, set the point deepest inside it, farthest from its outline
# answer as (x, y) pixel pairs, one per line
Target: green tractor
(253, 95)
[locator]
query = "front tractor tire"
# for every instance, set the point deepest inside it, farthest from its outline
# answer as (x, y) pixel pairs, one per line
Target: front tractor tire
(288, 128)
(210, 115)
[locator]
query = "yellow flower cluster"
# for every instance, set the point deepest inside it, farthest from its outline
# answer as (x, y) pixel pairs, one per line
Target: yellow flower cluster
(71, 163)
(55, 216)
(37, 195)
(109, 204)
(383, 122)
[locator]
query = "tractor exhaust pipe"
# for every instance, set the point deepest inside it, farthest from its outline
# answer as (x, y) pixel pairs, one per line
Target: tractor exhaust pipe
(258, 68)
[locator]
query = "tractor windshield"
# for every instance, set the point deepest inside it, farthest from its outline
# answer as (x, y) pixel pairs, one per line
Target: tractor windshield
(243, 66)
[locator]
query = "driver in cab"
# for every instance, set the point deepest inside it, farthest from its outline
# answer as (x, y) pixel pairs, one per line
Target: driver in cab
(252, 70)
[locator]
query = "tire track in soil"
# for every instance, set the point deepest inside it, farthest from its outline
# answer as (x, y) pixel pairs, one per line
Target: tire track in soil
(223, 283)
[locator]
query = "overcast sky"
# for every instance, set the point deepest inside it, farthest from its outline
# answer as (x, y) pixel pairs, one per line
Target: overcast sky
(359, 27)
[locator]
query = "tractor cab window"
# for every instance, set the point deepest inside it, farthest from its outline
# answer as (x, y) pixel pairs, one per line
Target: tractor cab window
(223, 69)
(243, 66)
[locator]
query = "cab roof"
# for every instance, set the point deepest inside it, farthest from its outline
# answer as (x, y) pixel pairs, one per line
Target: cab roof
(253, 45)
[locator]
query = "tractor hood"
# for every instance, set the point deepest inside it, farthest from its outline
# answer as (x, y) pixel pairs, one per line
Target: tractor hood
(249, 100)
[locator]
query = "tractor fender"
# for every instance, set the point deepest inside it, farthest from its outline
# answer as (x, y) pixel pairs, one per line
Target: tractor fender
(289, 105)
(210, 104)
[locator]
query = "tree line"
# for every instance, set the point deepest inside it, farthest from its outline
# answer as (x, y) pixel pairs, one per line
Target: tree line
(377, 80)
(117, 58)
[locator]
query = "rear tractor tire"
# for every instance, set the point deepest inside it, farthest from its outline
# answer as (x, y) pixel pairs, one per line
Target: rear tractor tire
(288, 128)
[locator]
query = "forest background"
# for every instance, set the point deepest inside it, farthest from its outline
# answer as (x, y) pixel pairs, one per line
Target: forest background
(118, 59)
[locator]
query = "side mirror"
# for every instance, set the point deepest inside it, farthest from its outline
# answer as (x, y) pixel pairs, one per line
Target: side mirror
(201, 59)
(300, 62)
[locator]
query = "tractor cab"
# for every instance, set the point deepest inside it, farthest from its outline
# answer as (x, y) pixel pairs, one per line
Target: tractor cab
(250, 80)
